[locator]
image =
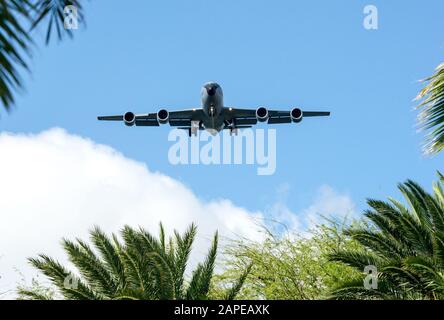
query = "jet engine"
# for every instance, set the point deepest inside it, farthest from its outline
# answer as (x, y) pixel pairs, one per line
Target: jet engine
(296, 115)
(129, 118)
(163, 116)
(262, 114)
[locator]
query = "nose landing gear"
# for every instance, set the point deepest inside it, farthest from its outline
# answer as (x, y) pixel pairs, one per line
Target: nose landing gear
(212, 111)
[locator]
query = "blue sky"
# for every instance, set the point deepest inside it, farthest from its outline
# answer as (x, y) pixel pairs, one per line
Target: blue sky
(315, 54)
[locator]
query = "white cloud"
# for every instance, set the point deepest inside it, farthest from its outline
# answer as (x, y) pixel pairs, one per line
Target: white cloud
(329, 203)
(55, 185)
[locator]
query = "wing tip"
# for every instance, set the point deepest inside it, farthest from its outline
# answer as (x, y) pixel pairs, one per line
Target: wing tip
(110, 118)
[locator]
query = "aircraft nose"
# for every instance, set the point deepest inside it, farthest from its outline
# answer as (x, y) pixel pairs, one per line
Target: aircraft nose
(211, 90)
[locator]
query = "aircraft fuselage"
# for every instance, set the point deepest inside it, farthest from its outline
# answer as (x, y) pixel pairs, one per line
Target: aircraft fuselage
(213, 106)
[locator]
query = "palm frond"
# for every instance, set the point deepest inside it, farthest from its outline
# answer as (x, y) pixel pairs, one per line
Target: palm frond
(193, 290)
(16, 41)
(91, 268)
(53, 11)
(354, 290)
(14, 48)
(182, 253)
(357, 259)
(235, 289)
(141, 267)
(201, 278)
(110, 255)
(431, 115)
(32, 294)
(405, 243)
(68, 284)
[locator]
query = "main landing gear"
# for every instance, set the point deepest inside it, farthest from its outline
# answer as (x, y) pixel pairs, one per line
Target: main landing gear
(192, 131)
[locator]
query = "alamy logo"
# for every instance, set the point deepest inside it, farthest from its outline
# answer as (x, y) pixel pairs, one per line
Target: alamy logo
(371, 18)
(371, 280)
(71, 282)
(71, 21)
(225, 149)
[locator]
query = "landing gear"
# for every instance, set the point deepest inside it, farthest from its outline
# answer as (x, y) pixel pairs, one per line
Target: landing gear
(233, 130)
(192, 131)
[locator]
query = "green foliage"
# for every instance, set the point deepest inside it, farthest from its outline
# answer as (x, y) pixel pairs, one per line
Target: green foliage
(286, 266)
(431, 116)
(17, 19)
(36, 291)
(142, 267)
(405, 243)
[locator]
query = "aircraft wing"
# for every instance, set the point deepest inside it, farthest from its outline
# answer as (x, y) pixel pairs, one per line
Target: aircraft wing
(249, 116)
(175, 118)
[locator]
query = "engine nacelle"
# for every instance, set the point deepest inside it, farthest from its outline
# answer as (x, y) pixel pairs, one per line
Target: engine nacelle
(163, 116)
(296, 115)
(129, 118)
(262, 114)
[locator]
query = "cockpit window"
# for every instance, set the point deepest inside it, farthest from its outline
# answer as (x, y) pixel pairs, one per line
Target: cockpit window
(212, 84)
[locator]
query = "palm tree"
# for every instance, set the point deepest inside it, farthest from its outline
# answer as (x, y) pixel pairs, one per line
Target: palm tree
(142, 267)
(404, 243)
(17, 19)
(431, 116)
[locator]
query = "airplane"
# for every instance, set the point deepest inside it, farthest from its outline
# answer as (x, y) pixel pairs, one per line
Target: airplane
(213, 116)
